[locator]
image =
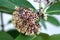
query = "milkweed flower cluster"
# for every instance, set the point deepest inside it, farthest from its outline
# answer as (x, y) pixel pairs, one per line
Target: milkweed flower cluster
(25, 21)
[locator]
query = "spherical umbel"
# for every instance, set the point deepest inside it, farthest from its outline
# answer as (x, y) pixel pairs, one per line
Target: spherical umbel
(25, 21)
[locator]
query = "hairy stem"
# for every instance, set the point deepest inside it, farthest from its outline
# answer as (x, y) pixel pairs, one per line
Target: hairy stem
(2, 23)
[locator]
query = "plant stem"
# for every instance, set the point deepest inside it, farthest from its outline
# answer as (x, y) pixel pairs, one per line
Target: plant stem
(2, 24)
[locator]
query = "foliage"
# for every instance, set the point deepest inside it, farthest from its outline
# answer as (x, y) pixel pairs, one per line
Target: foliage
(54, 37)
(13, 33)
(5, 36)
(53, 20)
(54, 9)
(9, 5)
(24, 37)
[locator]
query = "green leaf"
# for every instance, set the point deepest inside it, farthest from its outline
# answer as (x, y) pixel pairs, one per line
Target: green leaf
(54, 37)
(38, 38)
(5, 36)
(13, 33)
(25, 37)
(53, 20)
(43, 23)
(7, 4)
(5, 10)
(22, 3)
(44, 36)
(54, 9)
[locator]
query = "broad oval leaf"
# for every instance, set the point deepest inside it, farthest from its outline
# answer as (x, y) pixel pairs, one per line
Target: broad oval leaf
(43, 23)
(44, 36)
(5, 10)
(54, 9)
(7, 4)
(53, 20)
(38, 38)
(54, 37)
(22, 3)
(25, 37)
(10, 5)
(13, 33)
(5, 36)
